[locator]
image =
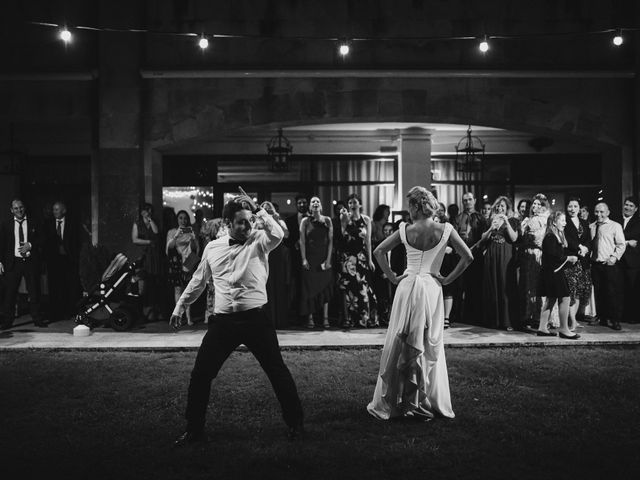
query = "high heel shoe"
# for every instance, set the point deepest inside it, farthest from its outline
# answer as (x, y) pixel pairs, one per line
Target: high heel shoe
(325, 323)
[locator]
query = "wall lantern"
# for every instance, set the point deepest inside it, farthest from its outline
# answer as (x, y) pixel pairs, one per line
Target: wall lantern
(279, 150)
(469, 155)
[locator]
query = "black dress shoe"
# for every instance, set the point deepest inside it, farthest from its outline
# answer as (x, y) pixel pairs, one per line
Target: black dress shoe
(41, 323)
(6, 325)
(191, 438)
(546, 334)
(569, 337)
(615, 326)
(295, 433)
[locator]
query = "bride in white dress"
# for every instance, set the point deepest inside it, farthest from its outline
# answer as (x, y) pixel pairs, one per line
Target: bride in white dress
(413, 379)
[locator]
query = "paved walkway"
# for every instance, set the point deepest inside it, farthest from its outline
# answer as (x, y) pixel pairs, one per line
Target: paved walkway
(159, 336)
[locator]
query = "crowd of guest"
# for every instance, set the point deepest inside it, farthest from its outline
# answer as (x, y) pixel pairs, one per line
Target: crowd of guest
(535, 269)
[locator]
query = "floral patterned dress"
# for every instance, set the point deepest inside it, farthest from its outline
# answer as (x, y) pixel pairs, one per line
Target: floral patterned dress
(355, 277)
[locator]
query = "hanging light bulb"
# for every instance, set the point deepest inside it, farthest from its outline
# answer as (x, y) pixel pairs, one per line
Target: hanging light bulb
(65, 35)
(484, 45)
(618, 39)
(344, 49)
(203, 43)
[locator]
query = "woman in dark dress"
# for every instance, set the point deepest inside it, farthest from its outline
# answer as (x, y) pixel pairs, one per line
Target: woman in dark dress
(553, 284)
(499, 271)
(578, 274)
(357, 267)
(279, 281)
(449, 262)
(316, 245)
(380, 283)
(144, 234)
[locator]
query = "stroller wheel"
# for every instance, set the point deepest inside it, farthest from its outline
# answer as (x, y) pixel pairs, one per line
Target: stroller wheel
(122, 319)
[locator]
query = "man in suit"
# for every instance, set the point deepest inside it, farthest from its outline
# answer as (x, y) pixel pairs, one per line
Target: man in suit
(61, 252)
(293, 242)
(20, 243)
(470, 225)
(630, 261)
(608, 246)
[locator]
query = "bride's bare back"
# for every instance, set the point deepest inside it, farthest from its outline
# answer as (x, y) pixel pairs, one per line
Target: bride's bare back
(424, 234)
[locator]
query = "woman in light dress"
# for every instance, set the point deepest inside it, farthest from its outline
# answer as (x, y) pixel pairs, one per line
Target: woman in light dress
(182, 251)
(413, 379)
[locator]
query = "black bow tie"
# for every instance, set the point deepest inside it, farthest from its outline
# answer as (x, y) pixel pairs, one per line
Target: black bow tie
(234, 241)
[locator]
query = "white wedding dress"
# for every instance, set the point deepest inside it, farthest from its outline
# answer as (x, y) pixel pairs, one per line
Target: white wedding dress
(413, 377)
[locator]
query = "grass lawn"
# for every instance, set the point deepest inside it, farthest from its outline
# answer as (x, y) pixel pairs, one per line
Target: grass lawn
(523, 413)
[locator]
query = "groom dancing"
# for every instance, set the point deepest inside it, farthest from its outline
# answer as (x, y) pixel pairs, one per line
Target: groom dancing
(239, 265)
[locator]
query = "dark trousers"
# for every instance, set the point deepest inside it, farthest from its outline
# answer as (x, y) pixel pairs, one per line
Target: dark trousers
(631, 294)
(226, 331)
(64, 286)
(607, 287)
(30, 270)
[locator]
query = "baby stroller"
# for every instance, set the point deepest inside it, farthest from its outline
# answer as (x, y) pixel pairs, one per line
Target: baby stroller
(114, 292)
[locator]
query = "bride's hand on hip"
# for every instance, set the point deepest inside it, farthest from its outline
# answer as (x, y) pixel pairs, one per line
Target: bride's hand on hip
(440, 278)
(397, 279)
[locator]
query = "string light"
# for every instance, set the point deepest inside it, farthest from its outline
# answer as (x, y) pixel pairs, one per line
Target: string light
(344, 47)
(484, 45)
(65, 35)
(618, 39)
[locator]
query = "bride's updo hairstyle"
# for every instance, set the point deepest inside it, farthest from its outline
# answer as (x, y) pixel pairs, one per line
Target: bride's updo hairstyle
(424, 200)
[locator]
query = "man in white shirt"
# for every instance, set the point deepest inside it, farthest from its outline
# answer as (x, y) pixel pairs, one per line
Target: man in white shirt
(239, 266)
(607, 248)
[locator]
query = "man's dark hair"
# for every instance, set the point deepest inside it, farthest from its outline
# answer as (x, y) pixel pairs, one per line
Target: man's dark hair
(633, 199)
(231, 208)
(301, 196)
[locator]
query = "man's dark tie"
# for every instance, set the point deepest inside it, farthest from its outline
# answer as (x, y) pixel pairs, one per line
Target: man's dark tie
(234, 241)
(20, 233)
(61, 249)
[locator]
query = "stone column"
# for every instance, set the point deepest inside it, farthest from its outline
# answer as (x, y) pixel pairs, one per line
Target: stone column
(118, 171)
(414, 162)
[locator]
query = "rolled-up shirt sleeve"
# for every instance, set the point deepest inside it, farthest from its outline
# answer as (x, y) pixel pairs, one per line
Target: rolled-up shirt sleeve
(196, 286)
(273, 231)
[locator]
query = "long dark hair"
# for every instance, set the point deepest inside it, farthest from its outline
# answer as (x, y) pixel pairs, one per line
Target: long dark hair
(379, 212)
(186, 213)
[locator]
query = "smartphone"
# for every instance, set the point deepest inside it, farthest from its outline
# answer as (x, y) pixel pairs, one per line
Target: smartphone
(186, 230)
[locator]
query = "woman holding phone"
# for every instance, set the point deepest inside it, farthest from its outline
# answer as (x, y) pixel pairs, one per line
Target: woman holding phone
(182, 252)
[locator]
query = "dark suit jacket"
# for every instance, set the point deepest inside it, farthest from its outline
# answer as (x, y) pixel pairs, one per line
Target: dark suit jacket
(631, 257)
(7, 242)
(574, 240)
(70, 242)
(294, 230)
